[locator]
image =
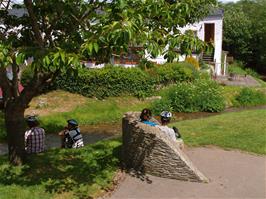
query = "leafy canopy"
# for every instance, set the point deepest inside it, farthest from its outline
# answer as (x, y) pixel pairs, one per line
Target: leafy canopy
(97, 29)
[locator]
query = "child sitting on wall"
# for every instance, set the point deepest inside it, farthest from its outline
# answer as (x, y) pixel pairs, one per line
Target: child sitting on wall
(173, 133)
(145, 117)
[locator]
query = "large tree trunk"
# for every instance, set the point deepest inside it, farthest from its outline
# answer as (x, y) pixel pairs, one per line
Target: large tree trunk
(15, 127)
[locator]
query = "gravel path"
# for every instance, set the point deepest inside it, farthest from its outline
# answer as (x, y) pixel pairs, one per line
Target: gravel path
(232, 174)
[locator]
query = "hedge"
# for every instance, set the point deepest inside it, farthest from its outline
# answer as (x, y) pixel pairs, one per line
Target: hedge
(118, 80)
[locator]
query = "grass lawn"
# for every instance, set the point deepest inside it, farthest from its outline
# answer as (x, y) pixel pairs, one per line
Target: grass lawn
(62, 173)
(245, 130)
(56, 107)
(94, 111)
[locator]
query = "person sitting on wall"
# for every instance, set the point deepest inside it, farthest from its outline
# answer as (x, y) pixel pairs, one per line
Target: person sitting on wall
(173, 133)
(34, 137)
(145, 117)
(71, 136)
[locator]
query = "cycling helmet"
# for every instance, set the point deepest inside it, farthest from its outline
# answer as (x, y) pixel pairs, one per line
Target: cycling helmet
(31, 119)
(72, 122)
(166, 114)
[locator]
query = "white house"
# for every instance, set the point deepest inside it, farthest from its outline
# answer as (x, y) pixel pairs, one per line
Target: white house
(210, 29)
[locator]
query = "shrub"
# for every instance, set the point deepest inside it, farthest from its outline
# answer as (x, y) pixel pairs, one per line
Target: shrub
(200, 95)
(173, 72)
(250, 97)
(161, 105)
(109, 81)
(116, 81)
(236, 68)
(251, 72)
(193, 61)
(145, 64)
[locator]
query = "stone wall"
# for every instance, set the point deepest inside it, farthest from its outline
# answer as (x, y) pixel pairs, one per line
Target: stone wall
(151, 151)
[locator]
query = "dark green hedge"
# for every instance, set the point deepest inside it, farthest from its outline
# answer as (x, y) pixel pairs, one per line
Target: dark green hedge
(118, 80)
(108, 81)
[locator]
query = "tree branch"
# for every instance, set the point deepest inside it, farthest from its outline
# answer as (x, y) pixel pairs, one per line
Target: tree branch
(5, 85)
(34, 21)
(15, 70)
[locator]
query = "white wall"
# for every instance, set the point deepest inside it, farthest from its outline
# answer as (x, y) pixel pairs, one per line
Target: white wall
(199, 28)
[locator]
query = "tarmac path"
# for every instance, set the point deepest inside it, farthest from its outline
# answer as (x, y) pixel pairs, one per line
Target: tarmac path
(232, 175)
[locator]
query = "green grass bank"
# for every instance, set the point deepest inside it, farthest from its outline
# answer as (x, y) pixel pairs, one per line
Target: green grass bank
(245, 130)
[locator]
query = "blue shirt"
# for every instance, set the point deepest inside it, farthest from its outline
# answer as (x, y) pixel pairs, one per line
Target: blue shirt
(149, 123)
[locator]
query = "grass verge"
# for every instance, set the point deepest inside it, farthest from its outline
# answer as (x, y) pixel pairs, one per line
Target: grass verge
(61, 106)
(245, 130)
(62, 173)
(94, 111)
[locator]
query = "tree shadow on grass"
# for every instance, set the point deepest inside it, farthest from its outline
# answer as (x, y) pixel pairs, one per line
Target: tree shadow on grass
(76, 170)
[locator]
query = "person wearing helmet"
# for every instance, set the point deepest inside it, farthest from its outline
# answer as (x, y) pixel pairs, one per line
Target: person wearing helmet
(173, 133)
(71, 136)
(34, 137)
(145, 117)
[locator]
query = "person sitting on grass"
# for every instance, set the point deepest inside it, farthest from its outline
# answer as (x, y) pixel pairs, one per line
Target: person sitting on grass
(145, 117)
(173, 133)
(71, 136)
(34, 137)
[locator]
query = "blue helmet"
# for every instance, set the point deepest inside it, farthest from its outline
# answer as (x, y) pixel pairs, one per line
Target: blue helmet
(31, 119)
(72, 122)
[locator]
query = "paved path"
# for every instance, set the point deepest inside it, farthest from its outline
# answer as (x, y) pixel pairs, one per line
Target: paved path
(232, 175)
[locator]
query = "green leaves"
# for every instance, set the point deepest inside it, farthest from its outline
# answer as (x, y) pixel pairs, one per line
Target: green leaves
(200, 95)
(20, 58)
(5, 56)
(245, 32)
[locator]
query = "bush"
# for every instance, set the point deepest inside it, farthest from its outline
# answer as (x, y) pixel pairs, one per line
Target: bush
(238, 68)
(250, 97)
(161, 105)
(116, 81)
(108, 81)
(193, 61)
(145, 64)
(251, 72)
(200, 95)
(173, 72)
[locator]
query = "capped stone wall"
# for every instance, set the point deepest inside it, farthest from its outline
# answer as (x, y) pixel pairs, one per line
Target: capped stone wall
(147, 149)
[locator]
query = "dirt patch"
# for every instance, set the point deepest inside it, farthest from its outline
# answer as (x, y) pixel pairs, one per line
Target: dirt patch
(55, 102)
(108, 129)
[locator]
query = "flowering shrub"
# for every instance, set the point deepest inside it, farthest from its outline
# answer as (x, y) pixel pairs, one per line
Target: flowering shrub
(191, 60)
(200, 95)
